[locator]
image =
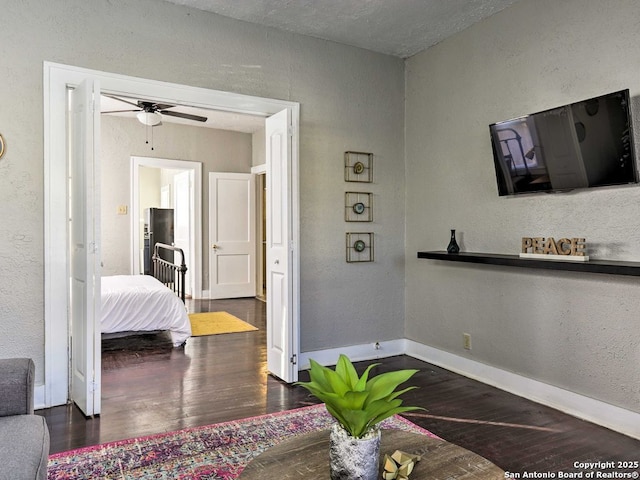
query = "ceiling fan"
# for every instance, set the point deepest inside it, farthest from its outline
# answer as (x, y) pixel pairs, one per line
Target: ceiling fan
(150, 113)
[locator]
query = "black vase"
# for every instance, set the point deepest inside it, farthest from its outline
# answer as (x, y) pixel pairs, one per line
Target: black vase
(453, 245)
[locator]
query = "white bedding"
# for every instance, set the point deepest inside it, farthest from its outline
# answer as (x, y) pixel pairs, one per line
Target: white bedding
(141, 303)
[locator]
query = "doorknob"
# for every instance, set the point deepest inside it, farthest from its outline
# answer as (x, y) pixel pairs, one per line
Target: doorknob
(214, 246)
(277, 262)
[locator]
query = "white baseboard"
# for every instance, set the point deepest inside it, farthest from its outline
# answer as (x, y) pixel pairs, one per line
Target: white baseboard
(580, 406)
(586, 408)
(38, 397)
(356, 353)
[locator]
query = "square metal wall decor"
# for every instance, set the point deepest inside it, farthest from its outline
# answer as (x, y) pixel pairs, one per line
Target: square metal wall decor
(359, 247)
(358, 207)
(358, 167)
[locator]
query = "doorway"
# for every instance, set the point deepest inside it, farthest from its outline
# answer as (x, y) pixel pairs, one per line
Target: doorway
(57, 79)
(193, 254)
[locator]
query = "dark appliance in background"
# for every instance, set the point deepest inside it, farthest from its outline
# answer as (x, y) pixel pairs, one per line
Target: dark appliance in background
(158, 228)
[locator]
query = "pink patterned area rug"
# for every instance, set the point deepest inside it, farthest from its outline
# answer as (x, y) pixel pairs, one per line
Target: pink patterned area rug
(219, 451)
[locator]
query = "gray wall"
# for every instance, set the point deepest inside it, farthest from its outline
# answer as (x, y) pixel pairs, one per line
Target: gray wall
(216, 150)
(351, 99)
(575, 331)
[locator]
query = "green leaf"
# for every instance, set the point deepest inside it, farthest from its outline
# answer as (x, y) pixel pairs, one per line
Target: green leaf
(380, 407)
(337, 414)
(347, 371)
(394, 411)
(357, 422)
(317, 374)
(398, 393)
(355, 400)
(316, 392)
(362, 382)
(385, 383)
(336, 384)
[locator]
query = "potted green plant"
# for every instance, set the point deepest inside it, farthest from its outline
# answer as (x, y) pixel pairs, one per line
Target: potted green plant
(359, 404)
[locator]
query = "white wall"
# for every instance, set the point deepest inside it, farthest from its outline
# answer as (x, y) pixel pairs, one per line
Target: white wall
(217, 150)
(351, 99)
(575, 331)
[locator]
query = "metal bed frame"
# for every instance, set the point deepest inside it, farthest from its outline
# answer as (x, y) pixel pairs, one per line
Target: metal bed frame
(171, 274)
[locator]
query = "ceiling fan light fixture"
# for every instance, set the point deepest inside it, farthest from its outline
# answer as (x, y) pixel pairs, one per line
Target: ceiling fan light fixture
(149, 118)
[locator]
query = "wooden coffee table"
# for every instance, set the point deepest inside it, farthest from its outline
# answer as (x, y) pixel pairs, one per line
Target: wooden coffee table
(307, 456)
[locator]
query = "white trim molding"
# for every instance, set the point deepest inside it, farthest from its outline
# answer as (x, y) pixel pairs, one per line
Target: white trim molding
(259, 169)
(580, 406)
(57, 79)
(38, 397)
(356, 353)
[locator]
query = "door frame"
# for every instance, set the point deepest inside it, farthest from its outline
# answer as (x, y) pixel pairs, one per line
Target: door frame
(57, 78)
(196, 214)
(178, 187)
(260, 173)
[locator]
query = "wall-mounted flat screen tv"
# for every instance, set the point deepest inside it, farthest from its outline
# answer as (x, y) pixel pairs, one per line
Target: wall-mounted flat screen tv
(581, 145)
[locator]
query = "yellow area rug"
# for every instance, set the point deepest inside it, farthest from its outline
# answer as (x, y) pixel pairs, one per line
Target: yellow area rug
(216, 323)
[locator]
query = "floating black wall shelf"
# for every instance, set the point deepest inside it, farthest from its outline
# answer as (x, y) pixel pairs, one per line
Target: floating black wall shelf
(611, 267)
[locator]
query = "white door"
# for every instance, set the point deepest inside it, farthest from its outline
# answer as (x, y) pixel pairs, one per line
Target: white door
(84, 211)
(232, 235)
(182, 230)
(281, 361)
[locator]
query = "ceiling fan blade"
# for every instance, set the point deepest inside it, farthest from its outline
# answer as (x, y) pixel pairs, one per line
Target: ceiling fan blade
(120, 100)
(153, 107)
(188, 116)
(121, 111)
(162, 106)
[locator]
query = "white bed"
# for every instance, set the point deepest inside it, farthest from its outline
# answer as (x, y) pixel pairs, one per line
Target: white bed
(141, 303)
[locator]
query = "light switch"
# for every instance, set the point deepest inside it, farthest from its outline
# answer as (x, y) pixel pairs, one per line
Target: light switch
(122, 209)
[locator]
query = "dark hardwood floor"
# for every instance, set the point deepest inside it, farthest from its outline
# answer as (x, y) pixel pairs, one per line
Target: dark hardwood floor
(154, 388)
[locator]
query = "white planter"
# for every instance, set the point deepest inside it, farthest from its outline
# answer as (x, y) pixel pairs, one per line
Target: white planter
(354, 458)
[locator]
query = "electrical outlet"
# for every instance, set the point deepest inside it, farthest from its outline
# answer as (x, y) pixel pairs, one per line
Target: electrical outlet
(466, 341)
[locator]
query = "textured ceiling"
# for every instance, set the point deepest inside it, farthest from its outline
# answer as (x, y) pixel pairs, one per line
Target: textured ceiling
(396, 27)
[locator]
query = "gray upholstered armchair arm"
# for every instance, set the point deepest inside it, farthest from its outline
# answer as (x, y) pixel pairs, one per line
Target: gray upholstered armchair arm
(16, 386)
